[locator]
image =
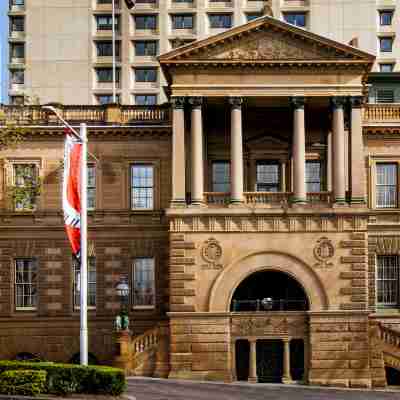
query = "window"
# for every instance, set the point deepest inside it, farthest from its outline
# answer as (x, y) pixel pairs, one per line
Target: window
(146, 48)
(17, 77)
(298, 19)
(17, 2)
(251, 16)
(106, 99)
(386, 185)
(25, 186)
(313, 176)
(146, 1)
(386, 44)
(386, 67)
(220, 21)
(145, 99)
(385, 17)
(146, 74)
(184, 21)
(104, 22)
(387, 281)
(385, 96)
(142, 187)
(221, 176)
(143, 282)
(145, 22)
(17, 50)
(91, 187)
(104, 49)
(25, 284)
(17, 24)
(106, 75)
(91, 279)
(182, 1)
(268, 176)
(107, 2)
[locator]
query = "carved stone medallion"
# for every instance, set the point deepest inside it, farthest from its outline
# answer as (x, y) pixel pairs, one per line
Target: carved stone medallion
(323, 252)
(212, 253)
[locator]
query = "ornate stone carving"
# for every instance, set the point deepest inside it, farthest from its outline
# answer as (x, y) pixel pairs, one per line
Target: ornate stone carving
(323, 252)
(195, 102)
(298, 102)
(235, 102)
(337, 102)
(356, 101)
(178, 102)
(212, 253)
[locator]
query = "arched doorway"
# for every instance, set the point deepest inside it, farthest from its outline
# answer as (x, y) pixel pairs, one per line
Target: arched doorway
(269, 291)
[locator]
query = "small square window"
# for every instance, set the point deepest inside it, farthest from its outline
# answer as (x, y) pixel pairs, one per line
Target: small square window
(220, 21)
(145, 22)
(146, 48)
(386, 67)
(385, 17)
(105, 75)
(146, 74)
(104, 22)
(18, 77)
(145, 99)
(386, 44)
(105, 49)
(184, 21)
(297, 19)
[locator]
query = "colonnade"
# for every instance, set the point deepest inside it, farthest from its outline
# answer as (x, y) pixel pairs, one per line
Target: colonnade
(338, 164)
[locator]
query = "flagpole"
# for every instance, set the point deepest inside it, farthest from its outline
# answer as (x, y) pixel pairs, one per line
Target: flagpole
(84, 258)
(114, 72)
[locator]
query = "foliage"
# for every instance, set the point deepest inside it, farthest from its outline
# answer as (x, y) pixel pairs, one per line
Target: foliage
(23, 382)
(24, 356)
(75, 359)
(68, 378)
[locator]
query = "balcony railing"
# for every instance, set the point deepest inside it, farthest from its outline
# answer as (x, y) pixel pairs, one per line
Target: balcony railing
(269, 305)
(101, 115)
(266, 199)
(381, 113)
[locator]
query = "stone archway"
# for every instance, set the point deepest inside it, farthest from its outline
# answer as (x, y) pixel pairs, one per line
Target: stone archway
(227, 282)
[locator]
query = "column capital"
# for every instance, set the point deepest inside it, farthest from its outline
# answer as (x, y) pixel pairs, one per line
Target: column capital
(356, 101)
(195, 102)
(178, 102)
(298, 102)
(337, 102)
(235, 102)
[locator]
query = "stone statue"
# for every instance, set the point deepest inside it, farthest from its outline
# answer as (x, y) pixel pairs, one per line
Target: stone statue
(118, 323)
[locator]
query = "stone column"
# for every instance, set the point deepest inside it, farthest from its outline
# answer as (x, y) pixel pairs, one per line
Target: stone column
(253, 361)
(178, 152)
(283, 187)
(339, 175)
(286, 378)
(236, 150)
(357, 167)
(299, 152)
(197, 151)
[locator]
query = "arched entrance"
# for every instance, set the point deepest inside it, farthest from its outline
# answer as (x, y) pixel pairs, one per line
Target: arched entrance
(269, 321)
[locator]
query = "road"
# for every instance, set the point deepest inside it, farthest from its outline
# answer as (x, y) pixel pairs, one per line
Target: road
(160, 389)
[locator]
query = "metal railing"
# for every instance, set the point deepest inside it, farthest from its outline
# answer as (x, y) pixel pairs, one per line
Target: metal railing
(271, 305)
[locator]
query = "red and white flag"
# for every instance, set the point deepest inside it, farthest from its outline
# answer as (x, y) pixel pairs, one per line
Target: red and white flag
(72, 191)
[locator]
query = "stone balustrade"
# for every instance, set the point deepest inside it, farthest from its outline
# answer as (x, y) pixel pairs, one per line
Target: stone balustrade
(145, 342)
(389, 112)
(93, 115)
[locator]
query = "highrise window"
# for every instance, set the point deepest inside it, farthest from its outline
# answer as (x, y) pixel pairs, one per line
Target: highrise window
(220, 20)
(386, 67)
(25, 183)
(106, 98)
(385, 96)
(145, 22)
(145, 99)
(385, 17)
(18, 3)
(386, 44)
(104, 48)
(18, 77)
(298, 19)
(146, 48)
(106, 74)
(17, 24)
(387, 281)
(25, 284)
(17, 50)
(104, 22)
(182, 21)
(146, 74)
(91, 187)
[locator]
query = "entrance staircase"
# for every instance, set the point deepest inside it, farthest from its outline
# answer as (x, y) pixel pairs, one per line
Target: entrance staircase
(390, 345)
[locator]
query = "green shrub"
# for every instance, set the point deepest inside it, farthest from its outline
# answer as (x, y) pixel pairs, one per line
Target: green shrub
(23, 382)
(68, 378)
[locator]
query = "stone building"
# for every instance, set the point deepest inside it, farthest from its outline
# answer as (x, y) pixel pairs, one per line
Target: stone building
(255, 217)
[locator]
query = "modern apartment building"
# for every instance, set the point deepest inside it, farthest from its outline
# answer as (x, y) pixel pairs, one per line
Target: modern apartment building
(61, 51)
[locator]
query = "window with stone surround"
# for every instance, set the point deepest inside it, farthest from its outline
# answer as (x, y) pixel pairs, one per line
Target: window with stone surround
(313, 176)
(143, 282)
(221, 176)
(142, 186)
(24, 185)
(268, 176)
(25, 284)
(76, 285)
(387, 280)
(386, 185)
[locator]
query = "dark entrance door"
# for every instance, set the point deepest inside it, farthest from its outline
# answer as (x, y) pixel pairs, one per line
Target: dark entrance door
(297, 359)
(270, 361)
(242, 359)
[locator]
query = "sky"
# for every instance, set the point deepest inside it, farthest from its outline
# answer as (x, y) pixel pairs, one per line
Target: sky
(3, 50)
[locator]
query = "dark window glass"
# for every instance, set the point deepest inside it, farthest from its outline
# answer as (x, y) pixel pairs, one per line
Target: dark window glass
(142, 187)
(17, 24)
(220, 20)
(385, 17)
(104, 49)
(182, 1)
(145, 99)
(106, 98)
(313, 176)
(143, 282)
(17, 2)
(387, 281)
(387, 67)
(17, 77)
(146, 48)
(268, 176)
(184, 21)
(106, 75)
(298, 19)
(385, 96)
(251, 16)
(145, 22)
(386, 44)
(18, 50)
(145, 74)
(104, 22)
(221, 176)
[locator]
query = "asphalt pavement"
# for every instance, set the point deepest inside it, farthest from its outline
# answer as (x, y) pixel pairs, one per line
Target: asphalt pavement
(164, 389)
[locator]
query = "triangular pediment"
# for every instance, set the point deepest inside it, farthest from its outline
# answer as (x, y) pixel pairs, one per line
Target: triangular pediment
(266, 39)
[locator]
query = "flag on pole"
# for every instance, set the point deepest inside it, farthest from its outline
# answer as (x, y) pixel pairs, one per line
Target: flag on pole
(130, 3)
(71, 191)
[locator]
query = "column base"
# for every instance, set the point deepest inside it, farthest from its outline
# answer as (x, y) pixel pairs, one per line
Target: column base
(178, 204)
(358, 201)
(252, 379)
(287, 381)
(197, 204)
(298, 200)
(236, 203)
(339, 202)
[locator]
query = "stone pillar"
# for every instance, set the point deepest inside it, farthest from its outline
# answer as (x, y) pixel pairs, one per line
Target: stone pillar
(339, 175)
(236, 150)
(123, 355)
(299, 152)
(197, 151)
(253, 361)
(178, 152)
(357, 167)
(286, 378)
(329, 162)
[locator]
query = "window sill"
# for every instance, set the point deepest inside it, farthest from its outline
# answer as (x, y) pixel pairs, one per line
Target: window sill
(27, 309)
(138, 308)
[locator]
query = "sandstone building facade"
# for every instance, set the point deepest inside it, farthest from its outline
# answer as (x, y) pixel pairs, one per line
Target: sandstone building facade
(255, 218)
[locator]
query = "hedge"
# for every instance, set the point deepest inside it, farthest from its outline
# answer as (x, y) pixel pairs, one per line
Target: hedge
(23, 382)
(63, 379)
